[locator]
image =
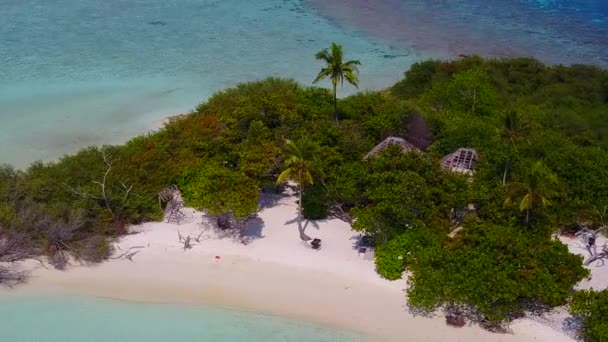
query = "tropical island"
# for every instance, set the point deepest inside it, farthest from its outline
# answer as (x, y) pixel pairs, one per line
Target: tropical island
(468, 178)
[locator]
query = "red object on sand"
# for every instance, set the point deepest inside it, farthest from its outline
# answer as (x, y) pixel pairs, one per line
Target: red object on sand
(217, 257)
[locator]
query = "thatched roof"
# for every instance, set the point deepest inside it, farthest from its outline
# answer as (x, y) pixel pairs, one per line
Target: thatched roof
(404, 144)
(462, 160)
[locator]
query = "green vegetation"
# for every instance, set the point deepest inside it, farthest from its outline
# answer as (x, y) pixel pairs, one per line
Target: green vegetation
(592, 308)
(540, 132)
(498, 270)
(337, 70)
(299, 166)
(220, 190)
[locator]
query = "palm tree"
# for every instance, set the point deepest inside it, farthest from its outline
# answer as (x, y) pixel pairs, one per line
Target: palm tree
(300, 164)
(337, 70)
(536, 189)
(512, 128)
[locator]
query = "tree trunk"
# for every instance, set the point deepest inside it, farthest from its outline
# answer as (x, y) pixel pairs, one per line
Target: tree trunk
(474, 99)
(303, 236)
(504, 175)
(336, 106)
(527, 215)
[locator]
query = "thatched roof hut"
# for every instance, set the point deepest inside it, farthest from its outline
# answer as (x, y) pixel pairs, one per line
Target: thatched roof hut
(402, 143)
(463, 160)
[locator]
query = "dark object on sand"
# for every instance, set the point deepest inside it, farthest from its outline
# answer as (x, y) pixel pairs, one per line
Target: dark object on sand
(316, 244)
(223, 221)
(455, 320)
(367, 241)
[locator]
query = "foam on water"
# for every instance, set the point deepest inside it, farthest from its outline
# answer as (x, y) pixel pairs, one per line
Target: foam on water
(71, 319)
(80, 72)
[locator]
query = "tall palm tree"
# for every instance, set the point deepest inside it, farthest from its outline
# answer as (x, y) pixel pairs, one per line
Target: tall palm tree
(536, 189)
(512, 128)
(299, 165)
(337, 70)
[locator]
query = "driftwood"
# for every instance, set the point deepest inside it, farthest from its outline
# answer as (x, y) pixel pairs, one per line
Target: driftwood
(104, 186)
(338, 212)
(589, 237)
(11, 277)
(15, 247)
(129, 254)
(187, 241)
(175, 209)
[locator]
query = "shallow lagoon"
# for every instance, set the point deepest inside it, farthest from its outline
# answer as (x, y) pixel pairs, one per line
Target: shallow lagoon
(81, 72)
(80, 319)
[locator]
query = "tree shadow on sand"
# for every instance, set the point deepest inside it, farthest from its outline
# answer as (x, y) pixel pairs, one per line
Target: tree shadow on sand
(271, 199)
(303, 235)
(253, 230)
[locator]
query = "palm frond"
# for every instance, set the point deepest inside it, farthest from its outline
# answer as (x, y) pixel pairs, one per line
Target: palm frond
(324, 73)
(525, 203)
(324, 55)
(352, 79)
(308, 177)
(336, 52)
(285, 175)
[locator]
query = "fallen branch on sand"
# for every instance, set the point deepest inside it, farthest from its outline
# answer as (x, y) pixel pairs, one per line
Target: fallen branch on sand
(129, 254)
(589, 238)
(187, 241)
(10, 277)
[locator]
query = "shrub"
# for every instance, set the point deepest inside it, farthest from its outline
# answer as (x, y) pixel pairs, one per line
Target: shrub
(315, 202)
(392, 258)
(592, 308)
(498, 271)
(96, 249)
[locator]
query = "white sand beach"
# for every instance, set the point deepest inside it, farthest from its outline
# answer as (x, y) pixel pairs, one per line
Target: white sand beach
(274, 274)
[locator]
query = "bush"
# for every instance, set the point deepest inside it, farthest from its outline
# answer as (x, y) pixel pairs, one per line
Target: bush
(498, 271)
(592, 308)
(96, 249)
(392, 258)
(315, 202)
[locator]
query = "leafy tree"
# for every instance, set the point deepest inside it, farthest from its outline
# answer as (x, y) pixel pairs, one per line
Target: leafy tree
(494, 272)
(393, 257)
(405, 190)
(299, 167)
(337, 70)
(221, 191)
(538, 187)
(471, 91)
(511, 130)
(592, 308)
(315, 202)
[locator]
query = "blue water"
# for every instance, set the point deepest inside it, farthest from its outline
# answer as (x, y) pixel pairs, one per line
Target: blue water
(81, 72)
(63, 319)
(555, 31)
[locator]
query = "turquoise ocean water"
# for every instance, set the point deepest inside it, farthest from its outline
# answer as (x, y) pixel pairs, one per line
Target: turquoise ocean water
(81, 72)
(63, 319)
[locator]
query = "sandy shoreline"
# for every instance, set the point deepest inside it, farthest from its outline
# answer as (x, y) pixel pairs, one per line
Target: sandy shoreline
(274, 274)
